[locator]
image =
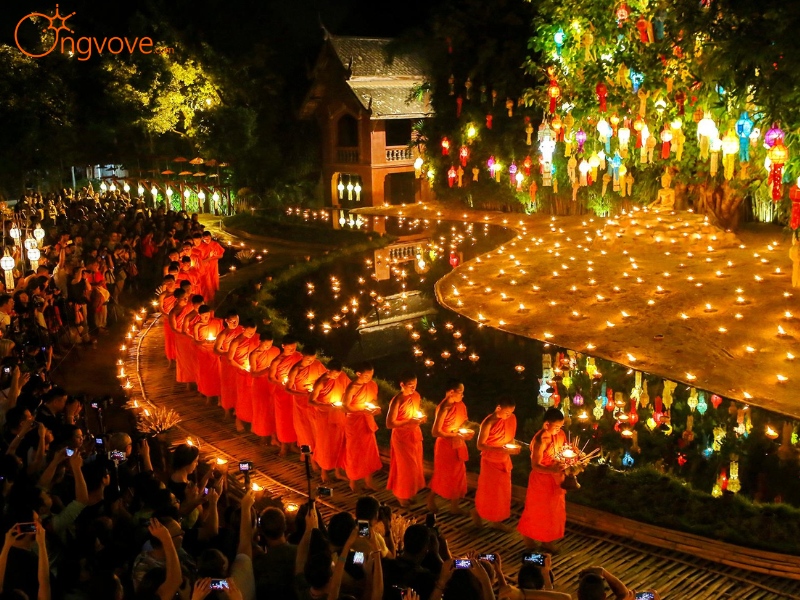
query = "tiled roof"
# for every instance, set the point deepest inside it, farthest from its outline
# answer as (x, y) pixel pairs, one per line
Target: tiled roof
(387, 100)
(368, 57)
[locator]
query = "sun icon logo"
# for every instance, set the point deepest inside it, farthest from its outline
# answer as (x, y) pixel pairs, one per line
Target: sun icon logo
(57, 23)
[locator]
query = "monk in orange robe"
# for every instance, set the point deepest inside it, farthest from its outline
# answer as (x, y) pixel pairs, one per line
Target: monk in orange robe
(188, 273)
(263, 391)
(205, 335)
(406, 471)
(239, 357)
(495, 442)
(198, 255)
(166, 300)
(214, 252)
(360, 405)
(329, 420)
(545, 513)
(450, 452)
(227, 372)
(299, 384)
(284, 402)
(182, 320)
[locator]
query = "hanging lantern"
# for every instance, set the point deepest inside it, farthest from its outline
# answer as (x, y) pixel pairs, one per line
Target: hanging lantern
(512, 173)
(716, 400)
(645, 30)
(558, 127)
(186, 193)
(471, 131)
(340, 186)
(527, 164)
(772, 136)
(554, 93)
(201, 195)
(349, 187)
(636, 79)
(705, 131)
(154, 193)
(584, 169)
(730, 146)
(38, 233)
(7, 264)
(445, 147)
(558, 38)
(451, 176)
(357, 190)
(33, 257)
(126, 188)
(602, 94)
(744, 126)
(417, 172)
(215, 197)
(624, 135)
(580, 138)
(794, 195)
(103, 187)
(489, 119)
(605, 132)
(15, 234)
(680, 99)
(666, 138)
(463, 155)
(169, 193)
(30, 243)
(622, 13)
(778, 155)
(140, 189)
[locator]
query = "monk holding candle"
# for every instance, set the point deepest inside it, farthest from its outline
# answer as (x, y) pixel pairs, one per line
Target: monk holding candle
(263, 391)
(284, 402)
(406, 471)
(329, 420)
(450, 452)
(299, 384)
(166, 300)
(360, 404)
(239, 357)
(496, 444)
(184, 372)
(227, 374)
(545, 513)
(214, 252)
(205, 335)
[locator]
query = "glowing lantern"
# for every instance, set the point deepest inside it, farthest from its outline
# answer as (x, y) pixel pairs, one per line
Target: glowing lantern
(33, 257)
(7, 264)
(215, 197)
(624, 135)
(705, 130)
(445, 146)
(778, 154)
(666, 138)
(636, 79)
(103, 187)
(340, 186)
(126, 188)
(15, 234)
(463, 155)
(417, 172)
(794, 194)
(186, 193)
(38, 233)
(773, 135)
(602, 94)
(471, 131)
(622, 13)
(580, 137)
(154, 192)
(30, 243)
(169, 193)
(554, 93)
(744, 126)
(140, 189)
(451, 176)
(730, 146)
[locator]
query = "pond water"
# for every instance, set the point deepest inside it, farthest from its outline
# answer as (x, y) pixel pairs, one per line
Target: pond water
(697, 437)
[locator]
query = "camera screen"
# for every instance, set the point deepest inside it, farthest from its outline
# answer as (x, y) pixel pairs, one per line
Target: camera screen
(98, 441)
(244, 466)
(324, 492)
(70, 451)
(219, 584)
(462, 563)
(363, 529)
(358, 558)
(533, 557)
(488, 557)
(27, 527)
(645, 596)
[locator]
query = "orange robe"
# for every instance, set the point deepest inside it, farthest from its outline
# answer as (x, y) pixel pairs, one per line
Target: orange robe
(197, 255)
(191, 276)
(329, 421)
(304, 380)
(207, 362)
(284, 402)
(450, 455)
(227, 373)
(244, 382)
(493, 497)
(406, 471)
(214, 253)
(169, 336)
(183, 349)
(362, 457)
(545, 513)
(263, 391)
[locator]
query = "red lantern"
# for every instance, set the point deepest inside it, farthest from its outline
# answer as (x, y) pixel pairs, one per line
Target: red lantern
(445, 146)
(794, 194)
(602, 94)
(682, 460)
(643, 25)
(666, 138)
(778, 156)
(463, 154)
(451, 176)
(489, 121)
(638, 125)
(622, 13)
(554, 93)
(680, 98)
(527, 164)
(454, 261)
(459, 102)
(715, 400)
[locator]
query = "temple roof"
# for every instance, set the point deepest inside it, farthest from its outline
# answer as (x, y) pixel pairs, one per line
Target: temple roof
(389, 100)
(369, 57)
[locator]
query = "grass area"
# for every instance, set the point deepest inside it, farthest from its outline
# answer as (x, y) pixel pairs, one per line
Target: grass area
(292, 231)
(644, 494)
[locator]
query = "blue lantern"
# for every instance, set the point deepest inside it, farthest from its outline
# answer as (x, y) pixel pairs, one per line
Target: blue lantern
(636, 79)
(627, 460)
(559, 37)
(702, 406)
(744, 126)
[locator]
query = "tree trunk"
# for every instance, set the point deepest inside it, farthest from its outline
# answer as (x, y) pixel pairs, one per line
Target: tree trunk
(721, 202)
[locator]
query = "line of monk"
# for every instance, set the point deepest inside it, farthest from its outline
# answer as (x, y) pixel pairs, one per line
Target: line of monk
(291, 399)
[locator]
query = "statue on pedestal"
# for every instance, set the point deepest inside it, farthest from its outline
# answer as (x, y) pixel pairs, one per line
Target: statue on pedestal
(666, 195)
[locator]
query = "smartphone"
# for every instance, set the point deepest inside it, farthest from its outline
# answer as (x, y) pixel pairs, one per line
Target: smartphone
(462, 563)
(26, 527)
(488, 557)
(98, 441)
(94, 405)
(205, 491)
(645, 596)
(363, 528)
(219, 584)
(245, 466)
(305, 449)
(325, 492)
(116, 455)
(358, 558)
(6, 370)
(535, 558)
(70, 451)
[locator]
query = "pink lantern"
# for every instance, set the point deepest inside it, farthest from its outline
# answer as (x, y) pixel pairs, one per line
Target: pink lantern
(774, 134)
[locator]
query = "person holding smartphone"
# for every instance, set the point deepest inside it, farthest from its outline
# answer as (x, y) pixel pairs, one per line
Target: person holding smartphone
(592, 587)
(536, 581)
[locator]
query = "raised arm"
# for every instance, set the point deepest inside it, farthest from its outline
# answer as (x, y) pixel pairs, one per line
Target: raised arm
(43, 572)
(246, 525)
(168, 589)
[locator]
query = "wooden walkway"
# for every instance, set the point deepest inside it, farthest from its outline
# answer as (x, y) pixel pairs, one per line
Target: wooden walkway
(677, 576)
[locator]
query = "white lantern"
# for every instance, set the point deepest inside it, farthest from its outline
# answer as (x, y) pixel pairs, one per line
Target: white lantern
(103, 186)
(15, 234)
(215, 197)
(30, 243)
(141, 191)
(186, 194)
(154, 192)
(33, 257)
(169, 193)
(112, 188)
(7, 264)
(202, 195)
(126, 188)
(38, 233)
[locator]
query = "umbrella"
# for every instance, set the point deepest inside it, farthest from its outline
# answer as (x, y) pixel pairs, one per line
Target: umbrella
(185, 173)
(167, 172)
(199, 174)
(211, 163)
(179, 159)
(196, 161)
(223, 164)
